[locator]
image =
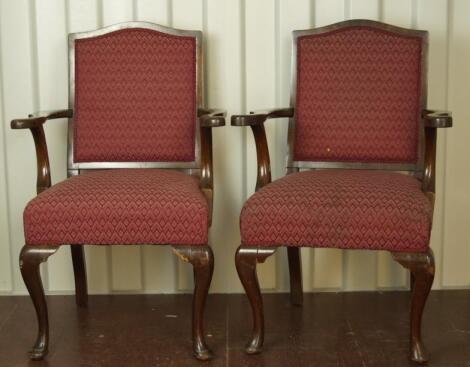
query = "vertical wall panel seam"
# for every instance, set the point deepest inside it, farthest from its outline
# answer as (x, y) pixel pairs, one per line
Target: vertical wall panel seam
(450, 34)
(414, 13)
(443, 134)
(33, 40)
(135, 10)
(277, 56)
(169, 11)
(99, 13)
(243, 83)
(67, 24)
(381, 17)
(277, 101)
(347, 9)
(34, 55)
(5, 162)
(312, 13)
(205, 50)
(205, 44)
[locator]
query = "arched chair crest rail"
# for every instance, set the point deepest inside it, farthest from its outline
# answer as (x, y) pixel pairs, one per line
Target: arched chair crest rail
(139, 160)
(357, 121)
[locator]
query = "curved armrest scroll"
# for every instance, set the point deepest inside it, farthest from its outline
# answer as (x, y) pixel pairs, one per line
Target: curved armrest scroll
(211, 117)
(437, 119)
(259, 117)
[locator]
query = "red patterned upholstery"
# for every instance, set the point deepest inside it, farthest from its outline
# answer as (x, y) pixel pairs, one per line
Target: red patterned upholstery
(135, 97)
(358, 96)
(339, 208)
(141, 206)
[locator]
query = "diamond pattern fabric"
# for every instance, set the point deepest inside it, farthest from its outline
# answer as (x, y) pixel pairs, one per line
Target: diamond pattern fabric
(127, 206)
(358, 96)
(135, 97)
(348, 209)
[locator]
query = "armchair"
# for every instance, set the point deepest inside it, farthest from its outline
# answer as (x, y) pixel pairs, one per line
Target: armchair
(138, 128)
(357, 122)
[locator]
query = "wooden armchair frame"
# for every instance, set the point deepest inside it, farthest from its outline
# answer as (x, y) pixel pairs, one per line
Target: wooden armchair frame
(420, 265)
(200, 257)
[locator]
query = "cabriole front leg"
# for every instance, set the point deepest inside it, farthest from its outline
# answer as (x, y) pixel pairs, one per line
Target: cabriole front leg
(202, 259)
(30, 259)
(421, 266)
(246, 260)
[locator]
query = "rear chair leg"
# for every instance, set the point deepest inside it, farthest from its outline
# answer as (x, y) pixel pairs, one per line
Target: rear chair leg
(421, 266)
(246, 260)
(412, 282)
(79, 272)
(295, 274)
(30, 259)
(202, 259)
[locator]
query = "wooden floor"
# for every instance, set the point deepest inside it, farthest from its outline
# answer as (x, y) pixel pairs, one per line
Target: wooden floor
(348, 329)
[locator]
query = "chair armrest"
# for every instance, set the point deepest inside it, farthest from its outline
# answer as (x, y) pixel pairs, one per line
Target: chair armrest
(34, 122)
(437, 119)
(211, 117)
(259, 117)
(256, 121)
(53, 114)
(38, 118)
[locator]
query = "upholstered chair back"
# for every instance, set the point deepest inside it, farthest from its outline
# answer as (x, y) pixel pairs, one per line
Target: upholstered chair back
(358, 96)
(134, 97)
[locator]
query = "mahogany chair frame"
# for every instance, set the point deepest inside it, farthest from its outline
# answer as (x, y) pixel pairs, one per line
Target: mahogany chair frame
(200, 257)
(420, 265)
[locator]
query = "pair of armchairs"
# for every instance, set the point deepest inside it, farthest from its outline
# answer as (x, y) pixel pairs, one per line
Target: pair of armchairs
(140, 160)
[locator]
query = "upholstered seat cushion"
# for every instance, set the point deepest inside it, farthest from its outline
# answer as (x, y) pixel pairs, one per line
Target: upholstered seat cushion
(350, 209)
(126, 206)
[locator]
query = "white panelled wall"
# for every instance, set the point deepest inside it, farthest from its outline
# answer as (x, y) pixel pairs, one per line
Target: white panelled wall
(247, 60)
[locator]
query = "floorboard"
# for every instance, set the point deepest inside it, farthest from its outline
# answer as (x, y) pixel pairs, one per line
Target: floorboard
(331, 329)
